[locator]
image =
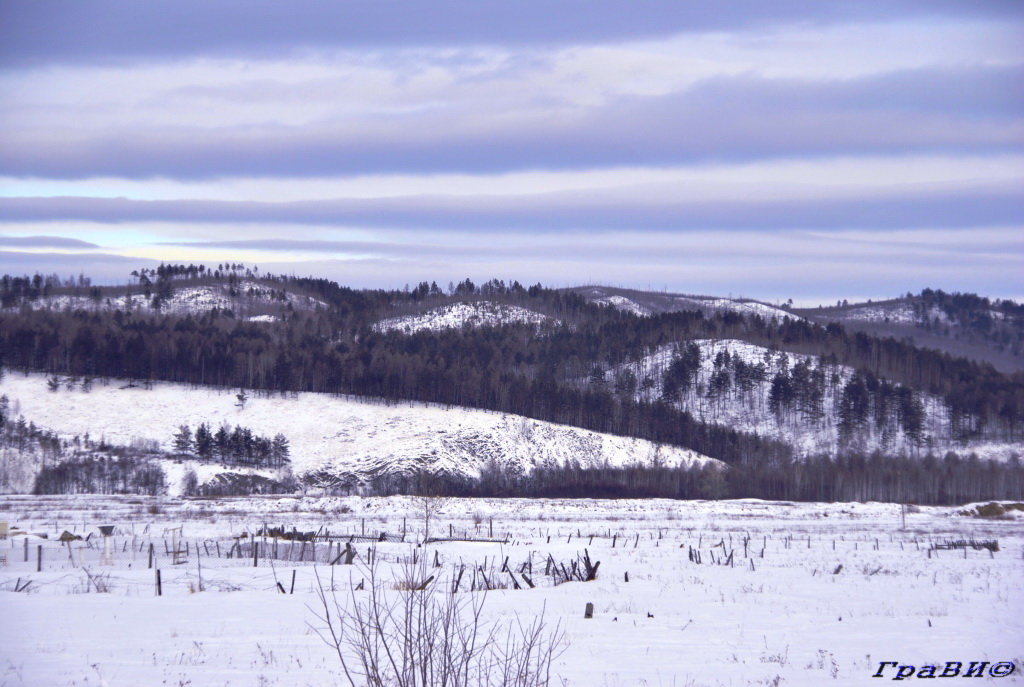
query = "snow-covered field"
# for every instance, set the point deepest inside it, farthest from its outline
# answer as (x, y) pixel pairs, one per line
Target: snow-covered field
(339, 435)
(458, 315)
(812, 594)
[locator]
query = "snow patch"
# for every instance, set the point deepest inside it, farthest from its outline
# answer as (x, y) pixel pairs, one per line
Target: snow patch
(458, 315)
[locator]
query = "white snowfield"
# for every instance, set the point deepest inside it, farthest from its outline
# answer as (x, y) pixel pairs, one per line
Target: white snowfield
(750, 411)
(247, 296)
(458, 315)
(343, 436)
(814, 594)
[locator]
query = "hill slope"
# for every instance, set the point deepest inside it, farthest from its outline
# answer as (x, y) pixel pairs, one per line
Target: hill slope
(333, 438)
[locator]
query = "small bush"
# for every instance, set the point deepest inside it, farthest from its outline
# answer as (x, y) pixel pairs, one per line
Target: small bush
(419, 636)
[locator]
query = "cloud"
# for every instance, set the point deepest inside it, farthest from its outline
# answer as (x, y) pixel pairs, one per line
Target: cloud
(49, 31)
(591, 211)
(101, 267)
(976, 110)
(44, 242)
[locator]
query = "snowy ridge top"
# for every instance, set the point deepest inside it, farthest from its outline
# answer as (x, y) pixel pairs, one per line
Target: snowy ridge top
(458, 315)
(244, 296)
(644, 303)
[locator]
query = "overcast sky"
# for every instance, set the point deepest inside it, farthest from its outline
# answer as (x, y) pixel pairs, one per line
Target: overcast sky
(805, 149)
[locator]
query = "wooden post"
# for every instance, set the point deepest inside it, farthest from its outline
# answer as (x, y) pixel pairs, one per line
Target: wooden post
(588, 612)
(255, 553)
(26, 548)
(151, 555)
(159, 587)
(490, 528)
(39, 558)
(293, 582)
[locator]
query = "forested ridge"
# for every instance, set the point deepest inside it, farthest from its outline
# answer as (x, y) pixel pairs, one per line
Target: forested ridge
(554, 374)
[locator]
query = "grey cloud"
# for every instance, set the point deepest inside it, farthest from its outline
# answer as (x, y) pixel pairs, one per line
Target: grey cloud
(44, 242)
(569, 211)
(49, 31)
(963, 111)
(103, 268)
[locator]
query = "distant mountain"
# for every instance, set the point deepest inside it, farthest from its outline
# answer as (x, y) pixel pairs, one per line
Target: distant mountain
(989, 331)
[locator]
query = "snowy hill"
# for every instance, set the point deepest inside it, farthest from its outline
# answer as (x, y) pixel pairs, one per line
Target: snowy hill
(732, 387)
(244, 297)
(329, 435)
(458, 315)
(653, 302)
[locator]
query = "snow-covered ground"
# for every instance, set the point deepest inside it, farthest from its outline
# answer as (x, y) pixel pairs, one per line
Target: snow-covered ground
(340, 435)
(750, 410)
(245, 296)
(458, 315)
(813, 594)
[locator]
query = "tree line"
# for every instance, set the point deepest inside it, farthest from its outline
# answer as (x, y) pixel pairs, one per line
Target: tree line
(238, 446)
(950, 480)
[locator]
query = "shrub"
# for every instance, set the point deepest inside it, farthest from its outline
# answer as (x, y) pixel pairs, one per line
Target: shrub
(414, 635)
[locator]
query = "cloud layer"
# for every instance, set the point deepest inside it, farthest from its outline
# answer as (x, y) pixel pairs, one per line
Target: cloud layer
(592, 141)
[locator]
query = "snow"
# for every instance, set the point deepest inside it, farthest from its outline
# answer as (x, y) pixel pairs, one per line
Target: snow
(458, 315)
(784, 614)
(340, 435)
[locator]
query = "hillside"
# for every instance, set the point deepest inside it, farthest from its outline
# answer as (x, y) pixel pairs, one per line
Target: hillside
(989, 331)
(799, 399)
(333, 439)
(655, 302)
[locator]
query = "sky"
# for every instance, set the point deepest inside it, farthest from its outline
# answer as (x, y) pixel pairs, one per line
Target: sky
(807, 149)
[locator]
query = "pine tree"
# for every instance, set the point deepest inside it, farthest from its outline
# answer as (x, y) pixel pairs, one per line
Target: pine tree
(280, 450)
(183, 440)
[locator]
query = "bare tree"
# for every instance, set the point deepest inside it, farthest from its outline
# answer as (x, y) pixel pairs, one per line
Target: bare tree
(428, 507)
(412, 634)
